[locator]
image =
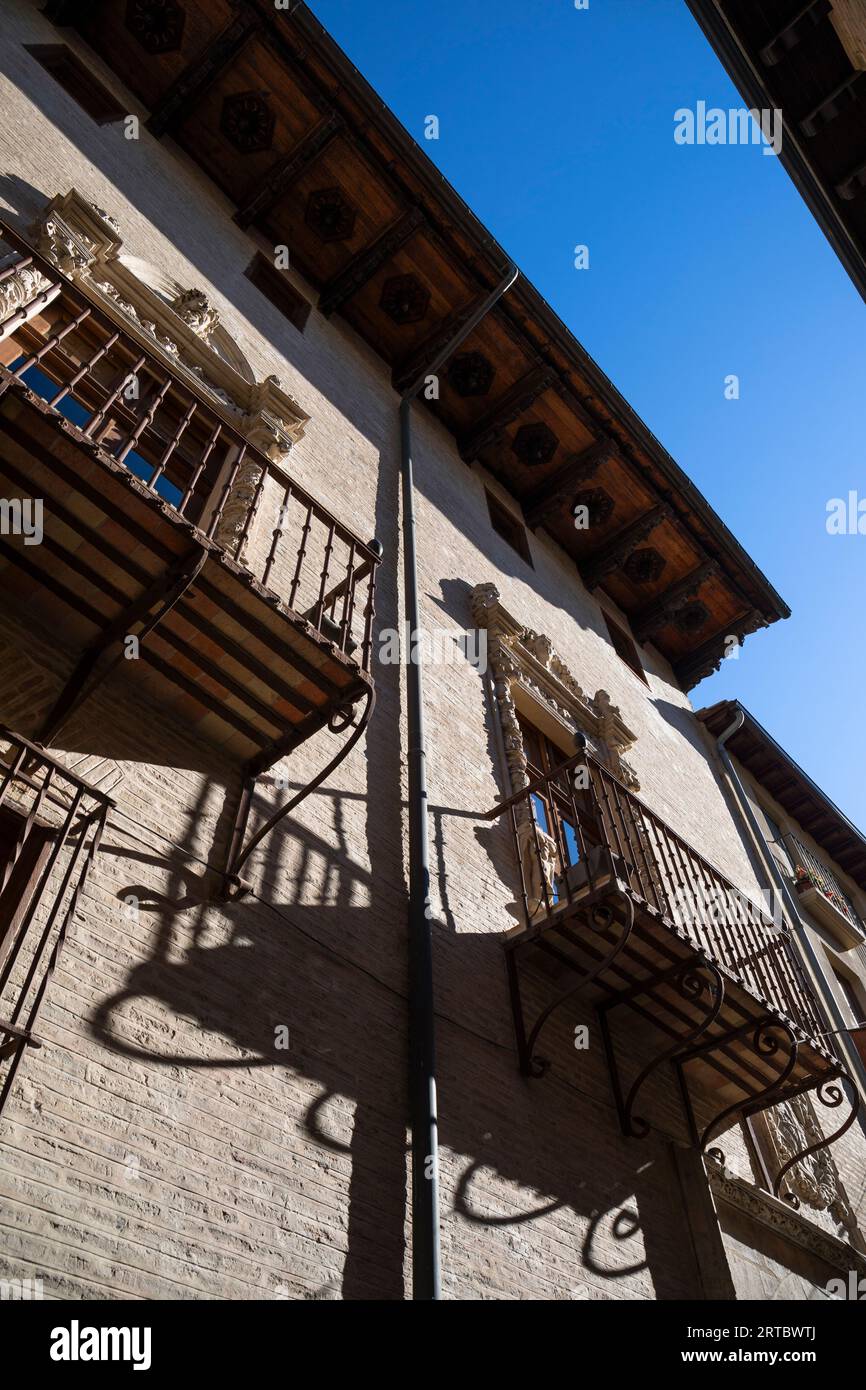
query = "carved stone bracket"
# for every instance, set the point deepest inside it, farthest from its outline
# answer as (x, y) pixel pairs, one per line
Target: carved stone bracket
(520, 658)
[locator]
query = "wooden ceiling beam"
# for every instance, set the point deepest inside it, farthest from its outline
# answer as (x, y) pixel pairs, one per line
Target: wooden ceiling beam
(255, 628)
(665, 606)
(549, 495)
(347, 282)
(414, 363)
(220, 676)
(610, 556)
(294, 48)
(169, 671)
(518, 398)
(95, 495)
(189, 88)
(780, 778)
(281, 175)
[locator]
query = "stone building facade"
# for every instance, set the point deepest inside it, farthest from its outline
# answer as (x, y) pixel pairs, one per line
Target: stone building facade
(218, 1107)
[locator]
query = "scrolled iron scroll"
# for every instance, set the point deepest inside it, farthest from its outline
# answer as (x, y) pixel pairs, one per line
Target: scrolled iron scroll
(601, 918)
(766, 1044)
(831, 1096)
(691, 986)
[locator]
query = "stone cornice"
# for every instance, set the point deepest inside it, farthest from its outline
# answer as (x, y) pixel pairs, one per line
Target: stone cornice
(781, 1218)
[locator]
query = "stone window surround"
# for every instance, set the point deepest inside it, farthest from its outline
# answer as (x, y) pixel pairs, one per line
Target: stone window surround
(783, 1219)
(179, 324)
(530, 678)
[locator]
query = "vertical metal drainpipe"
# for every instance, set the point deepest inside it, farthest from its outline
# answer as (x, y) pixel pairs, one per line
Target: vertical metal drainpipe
(426, 1262)
(777, 878)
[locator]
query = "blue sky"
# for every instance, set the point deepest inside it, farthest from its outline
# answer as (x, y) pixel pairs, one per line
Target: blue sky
(556, 126)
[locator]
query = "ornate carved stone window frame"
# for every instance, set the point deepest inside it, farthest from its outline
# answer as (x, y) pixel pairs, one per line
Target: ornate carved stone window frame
(785, 1220)
(530, 678)
(168, 319)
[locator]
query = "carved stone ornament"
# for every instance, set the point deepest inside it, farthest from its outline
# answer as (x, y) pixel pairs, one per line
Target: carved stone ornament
(539, 864)
(781, 1218)
(85, 243)
(19, 288)
(788, 1129)
(194, 307)
(237, 507)
(520, 658)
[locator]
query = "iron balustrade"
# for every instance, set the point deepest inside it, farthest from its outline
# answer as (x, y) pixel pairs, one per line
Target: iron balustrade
(578, 829)
(115, 393)
(821, 877)
(51, 824)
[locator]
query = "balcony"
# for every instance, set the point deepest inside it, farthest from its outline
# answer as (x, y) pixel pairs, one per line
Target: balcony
(160, 519)
(51, 823)
(615, 904)
(820, 893)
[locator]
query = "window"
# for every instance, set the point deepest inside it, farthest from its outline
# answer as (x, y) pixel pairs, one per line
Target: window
(551, 811)
(72, 409)
(275, 287)
(855, 1009)
(78, 81)
(777, 845)
(624, 646)
(508, 526)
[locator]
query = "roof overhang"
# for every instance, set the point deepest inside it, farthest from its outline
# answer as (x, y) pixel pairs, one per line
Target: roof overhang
(809, 61)
(271, 108)
(775, 770)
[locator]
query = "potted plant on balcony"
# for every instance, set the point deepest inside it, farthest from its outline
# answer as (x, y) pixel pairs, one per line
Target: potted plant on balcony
(827, 904)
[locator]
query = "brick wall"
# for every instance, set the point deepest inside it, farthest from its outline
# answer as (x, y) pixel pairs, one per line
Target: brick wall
(161, 1144)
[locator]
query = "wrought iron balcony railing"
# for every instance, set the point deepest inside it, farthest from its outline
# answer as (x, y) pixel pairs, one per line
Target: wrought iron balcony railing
(112, 392)
(578, 831)
(51, 823)
(809, 869)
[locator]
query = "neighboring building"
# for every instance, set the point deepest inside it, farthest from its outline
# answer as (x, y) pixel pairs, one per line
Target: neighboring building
(809, 62)
(204, 1008)
(815, 859)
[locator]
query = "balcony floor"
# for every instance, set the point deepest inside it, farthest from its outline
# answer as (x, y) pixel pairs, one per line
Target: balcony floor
(725, 1062)
(229, 658)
